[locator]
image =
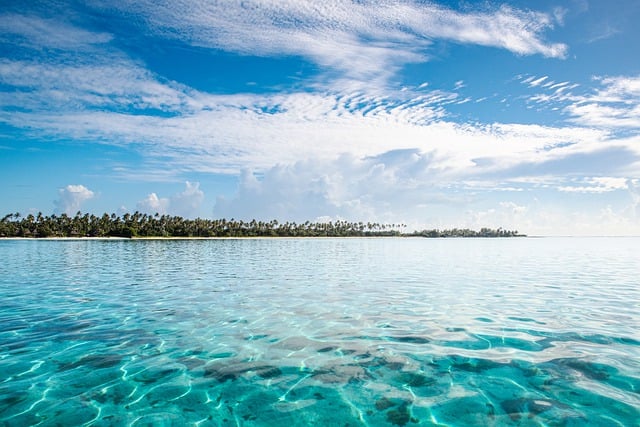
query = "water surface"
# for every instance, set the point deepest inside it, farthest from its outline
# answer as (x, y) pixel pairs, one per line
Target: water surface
(336, 332)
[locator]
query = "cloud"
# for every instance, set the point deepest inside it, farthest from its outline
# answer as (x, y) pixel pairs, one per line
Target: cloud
(345, 143)
(36, 32)
(634, 192)
(404, 186)
(112, 99)
(153, 204)
(111, 83)
(537, 82)
(597, 185)
(616, 104)
(365, 41)
(593, 114)
(71, 197)
(613, 104)
(346, 187)
(186, 203)
(550, 219)
(505, 214)
(258, 131)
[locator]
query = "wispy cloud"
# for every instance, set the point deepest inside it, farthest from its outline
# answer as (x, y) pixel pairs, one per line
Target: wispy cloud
(261, 131)
(111, 98)
(115, 100)
(37, 32)
(613, 104)
(360, 39)
(111, 83)
(596, 185)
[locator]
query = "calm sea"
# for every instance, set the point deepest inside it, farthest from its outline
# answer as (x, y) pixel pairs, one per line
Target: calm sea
(325, 332)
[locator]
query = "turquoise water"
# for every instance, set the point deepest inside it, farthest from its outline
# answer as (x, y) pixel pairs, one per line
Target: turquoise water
(326, 332)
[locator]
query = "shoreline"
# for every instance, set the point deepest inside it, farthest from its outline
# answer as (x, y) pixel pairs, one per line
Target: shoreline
(116, 238)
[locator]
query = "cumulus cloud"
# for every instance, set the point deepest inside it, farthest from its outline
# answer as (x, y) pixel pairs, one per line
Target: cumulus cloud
(186, 203)
(347, 187)
(409, 186)
(406, 184)
(153, 204)
(71, 197)
(506, 214)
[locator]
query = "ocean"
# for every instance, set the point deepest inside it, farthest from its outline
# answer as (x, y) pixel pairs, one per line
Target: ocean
(320, 331)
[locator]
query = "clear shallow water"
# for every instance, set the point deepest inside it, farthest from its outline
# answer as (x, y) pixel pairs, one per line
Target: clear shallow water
(335, 332)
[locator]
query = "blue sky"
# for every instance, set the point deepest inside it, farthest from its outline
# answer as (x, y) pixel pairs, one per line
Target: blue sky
(520, 114)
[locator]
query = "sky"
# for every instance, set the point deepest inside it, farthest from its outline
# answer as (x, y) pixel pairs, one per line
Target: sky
(517, 114)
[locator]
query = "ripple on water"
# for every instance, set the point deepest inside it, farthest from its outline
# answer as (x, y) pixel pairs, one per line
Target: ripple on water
(391, 332)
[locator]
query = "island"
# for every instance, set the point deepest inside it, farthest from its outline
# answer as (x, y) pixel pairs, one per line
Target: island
(142, 225)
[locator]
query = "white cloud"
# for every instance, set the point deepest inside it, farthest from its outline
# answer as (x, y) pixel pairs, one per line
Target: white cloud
(538, 218)
(400, 183)
(593, 114)
(537, 82)
(614, 104)
(634, 192)
(153, 204)
(402, 186)
(33, 31)
(343, 149)
(513, 208)
(620, 88)
(507, 215)
(363, 40)
(409, 186)
(111, 82)
(260, 131)
(71, 197)
(186, 203)
(596, 185)
(90, 97)
(346, 187)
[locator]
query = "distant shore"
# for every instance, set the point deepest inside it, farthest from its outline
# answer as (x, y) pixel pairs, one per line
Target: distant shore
(150, 238)
(139, 225)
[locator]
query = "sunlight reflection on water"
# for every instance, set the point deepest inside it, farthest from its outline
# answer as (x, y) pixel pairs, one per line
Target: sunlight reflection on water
(327, 331)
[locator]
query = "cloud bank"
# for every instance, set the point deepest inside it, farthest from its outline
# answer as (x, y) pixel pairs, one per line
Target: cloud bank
(408, 184)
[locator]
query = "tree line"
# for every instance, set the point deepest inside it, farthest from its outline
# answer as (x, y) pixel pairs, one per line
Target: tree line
(145, 225)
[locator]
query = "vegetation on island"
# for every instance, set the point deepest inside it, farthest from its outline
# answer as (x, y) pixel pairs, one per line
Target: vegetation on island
(144, 225)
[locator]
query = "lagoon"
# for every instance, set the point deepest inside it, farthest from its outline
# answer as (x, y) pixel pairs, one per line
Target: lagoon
(321, 331)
